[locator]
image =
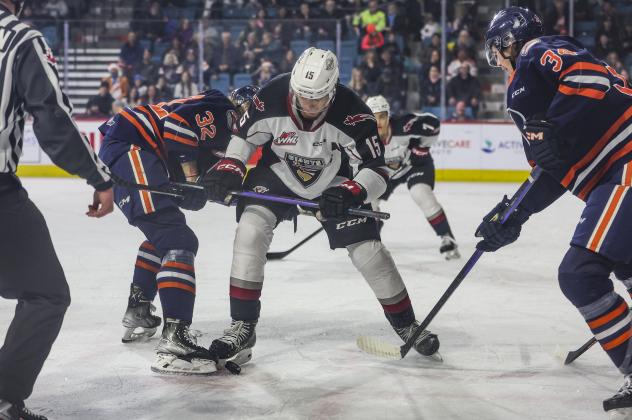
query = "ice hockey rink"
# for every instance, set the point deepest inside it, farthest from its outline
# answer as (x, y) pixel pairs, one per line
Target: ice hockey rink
(501, 333)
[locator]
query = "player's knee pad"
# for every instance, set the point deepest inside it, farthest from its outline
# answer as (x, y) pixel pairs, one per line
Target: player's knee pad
(425, 198)
(376, 265)
(252, 241)
(584, 276)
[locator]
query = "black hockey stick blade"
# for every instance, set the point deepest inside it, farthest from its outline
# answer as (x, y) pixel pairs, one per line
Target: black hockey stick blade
(383, 349)
(573, 355)
(283, 254)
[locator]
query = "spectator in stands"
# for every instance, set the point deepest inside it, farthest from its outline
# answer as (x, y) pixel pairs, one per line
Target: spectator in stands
(414, 21)
(252, 27)
(118, 84)
(608, 28)
(264, 73)
(431, 29)
(391, 43)
(283, 31)
(185, 87)
(57, 9)
(371, 70)
(455, 65)
(395, 22)
(288, 61)
(614, 61)
(389, 62)
(434, 60)
(225, 58)
(249, 51)
(626, 39)
(177, 48)
(151, 98)
(459, 114)
(431, 88)
(190, 64)
(163, 90)
(148, 69)
(270, 48)
(603, 46)
(305, 27)
(139, 85)
(556, 18)
(100, 105)
(391, 88)
(133, 99)
(372, 40)
(358, 83)
(169, 67)
(435, 44)
(131, 52)
(372, 15)
(151, 24)
(185, 32)
(332, 15)
(464, 87)
(466, 42)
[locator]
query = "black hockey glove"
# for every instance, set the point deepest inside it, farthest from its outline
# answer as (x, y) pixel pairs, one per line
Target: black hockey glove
(546, 148)
(496, 235)
(225, 176)
(336, 201)
(194, 199)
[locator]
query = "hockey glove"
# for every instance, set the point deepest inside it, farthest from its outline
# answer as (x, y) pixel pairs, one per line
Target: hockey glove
(335, 201)
(546, 148)
(225, 176)
(496, 235)
(194, 199)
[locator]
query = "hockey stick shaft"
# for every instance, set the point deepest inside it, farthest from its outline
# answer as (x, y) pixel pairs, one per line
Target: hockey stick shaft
(514, 202)
(573, 355)
(283, 254)
(178, 189)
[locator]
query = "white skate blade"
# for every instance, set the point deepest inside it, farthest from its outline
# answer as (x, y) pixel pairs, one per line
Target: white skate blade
(452, 255)
(171, 364)
(240, 358)
(137, 334)
(435, 357)
(621, 414)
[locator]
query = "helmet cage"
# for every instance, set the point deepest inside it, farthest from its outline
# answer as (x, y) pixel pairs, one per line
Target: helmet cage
(500, 43)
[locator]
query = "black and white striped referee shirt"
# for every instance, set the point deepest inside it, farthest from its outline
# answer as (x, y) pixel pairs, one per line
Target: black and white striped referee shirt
(30, 83)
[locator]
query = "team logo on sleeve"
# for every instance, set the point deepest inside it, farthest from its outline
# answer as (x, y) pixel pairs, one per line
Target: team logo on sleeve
(259, 104)
(231, 120)
(287, 138)
(305, 170)
(357, 118)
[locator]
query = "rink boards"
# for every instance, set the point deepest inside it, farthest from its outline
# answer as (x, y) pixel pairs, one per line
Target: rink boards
(485, 151)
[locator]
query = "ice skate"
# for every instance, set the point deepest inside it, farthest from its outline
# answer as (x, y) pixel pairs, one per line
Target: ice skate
(10, 411)
(236, 344)
(177, 352)
(427, 344)
(449, 248)
(619, 406)
(139, 321)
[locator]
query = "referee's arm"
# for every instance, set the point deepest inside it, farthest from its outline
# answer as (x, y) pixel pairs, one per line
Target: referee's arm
(38, 87)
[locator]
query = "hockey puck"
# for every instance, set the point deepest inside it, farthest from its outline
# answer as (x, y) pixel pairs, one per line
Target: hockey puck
(233, 367)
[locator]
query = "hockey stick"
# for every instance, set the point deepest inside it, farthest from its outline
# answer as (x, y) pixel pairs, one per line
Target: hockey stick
(179, 189)
(283, 254)
(572, 355)
(390, 351)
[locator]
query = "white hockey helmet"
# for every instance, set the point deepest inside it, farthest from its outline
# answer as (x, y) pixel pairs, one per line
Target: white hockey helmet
(378, 104)
(315, 74)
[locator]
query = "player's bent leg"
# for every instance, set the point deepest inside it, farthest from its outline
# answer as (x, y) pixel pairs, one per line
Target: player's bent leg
(139, 321)
(374, 262)
(426, 200)
(252, 241)
(584, 280)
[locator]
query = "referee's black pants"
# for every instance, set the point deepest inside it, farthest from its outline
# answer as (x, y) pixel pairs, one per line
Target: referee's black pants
(29, 272)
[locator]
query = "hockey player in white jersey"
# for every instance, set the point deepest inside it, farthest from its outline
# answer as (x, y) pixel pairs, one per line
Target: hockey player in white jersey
(407, 140)
(311, 128)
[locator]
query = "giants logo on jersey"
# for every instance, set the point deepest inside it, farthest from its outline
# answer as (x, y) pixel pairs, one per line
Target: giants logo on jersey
(259, 104)
(287, 138)
(357, 118)
(305, 170)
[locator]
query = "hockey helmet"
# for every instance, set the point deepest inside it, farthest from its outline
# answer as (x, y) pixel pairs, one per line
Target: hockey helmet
(511, 26)
(378, 104)
(315, 74)
(243, 95)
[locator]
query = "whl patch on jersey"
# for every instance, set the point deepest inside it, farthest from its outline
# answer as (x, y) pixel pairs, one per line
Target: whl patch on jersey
(287, 138)
(305, 170)
(357, 118)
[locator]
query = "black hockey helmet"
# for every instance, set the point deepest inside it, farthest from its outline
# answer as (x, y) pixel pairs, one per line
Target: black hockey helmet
(243, 95)
(511, 26)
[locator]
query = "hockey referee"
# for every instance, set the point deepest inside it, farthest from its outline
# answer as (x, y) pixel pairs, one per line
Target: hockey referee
(29, 269)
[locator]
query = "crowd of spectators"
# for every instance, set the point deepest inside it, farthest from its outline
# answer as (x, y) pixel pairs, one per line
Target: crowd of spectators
(393, 41)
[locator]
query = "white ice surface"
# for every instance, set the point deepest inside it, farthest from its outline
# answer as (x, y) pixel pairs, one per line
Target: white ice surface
(500, 332)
